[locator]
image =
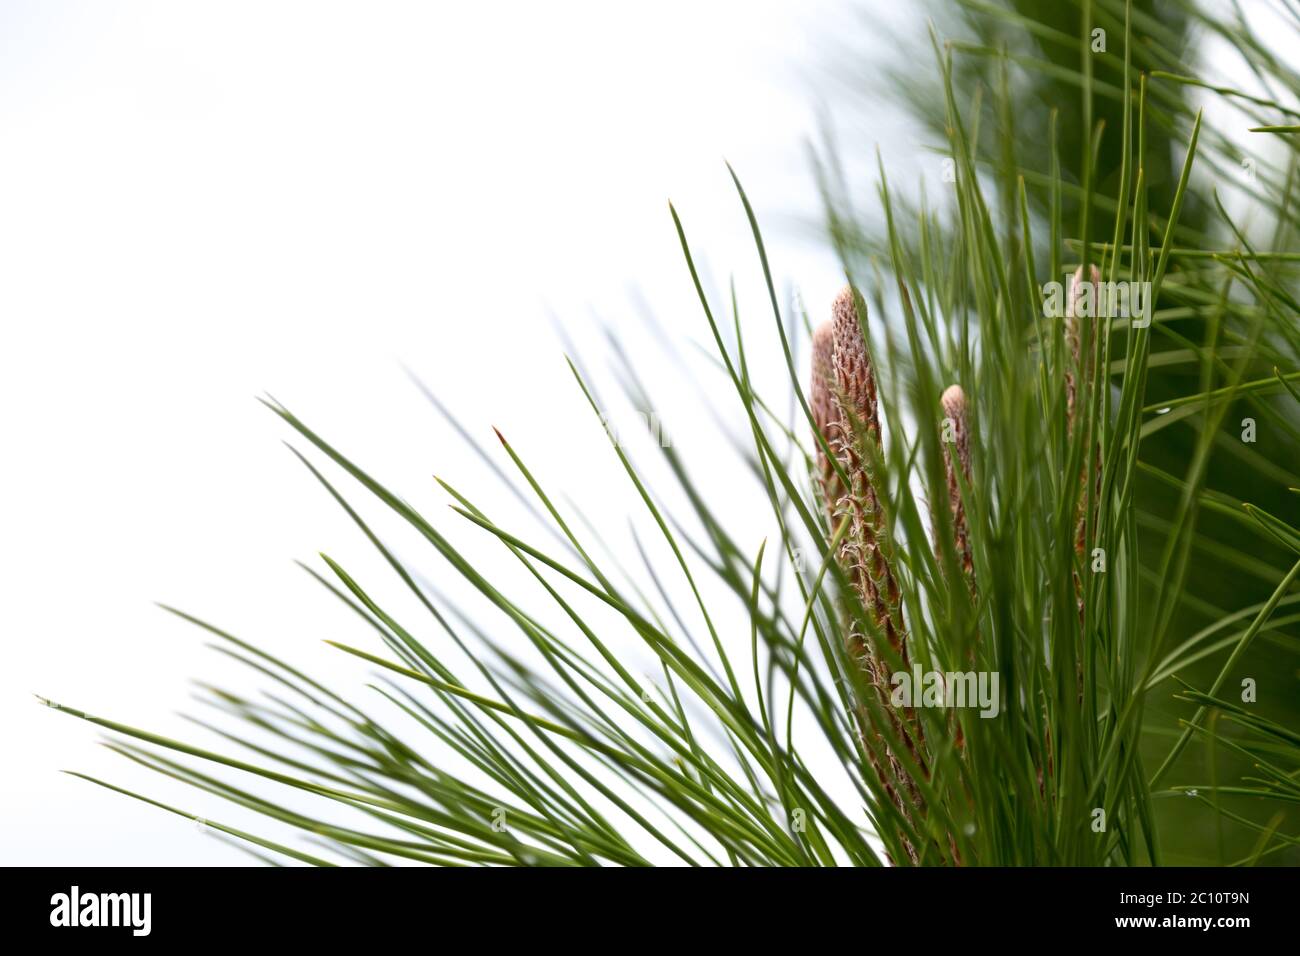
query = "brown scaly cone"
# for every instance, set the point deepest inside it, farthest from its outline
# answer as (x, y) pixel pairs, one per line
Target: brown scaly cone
(1074, 335)
(953, 405)
(1078, 374)
(864, 549)
(956, 454)
(843, 403)
(828, 417)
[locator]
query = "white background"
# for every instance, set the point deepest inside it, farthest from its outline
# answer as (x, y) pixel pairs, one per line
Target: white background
(201, 203)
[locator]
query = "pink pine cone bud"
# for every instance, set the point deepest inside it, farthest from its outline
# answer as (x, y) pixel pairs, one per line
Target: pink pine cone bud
(844, 409)
(1079, 364)
(853, 373)
(953, 403)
